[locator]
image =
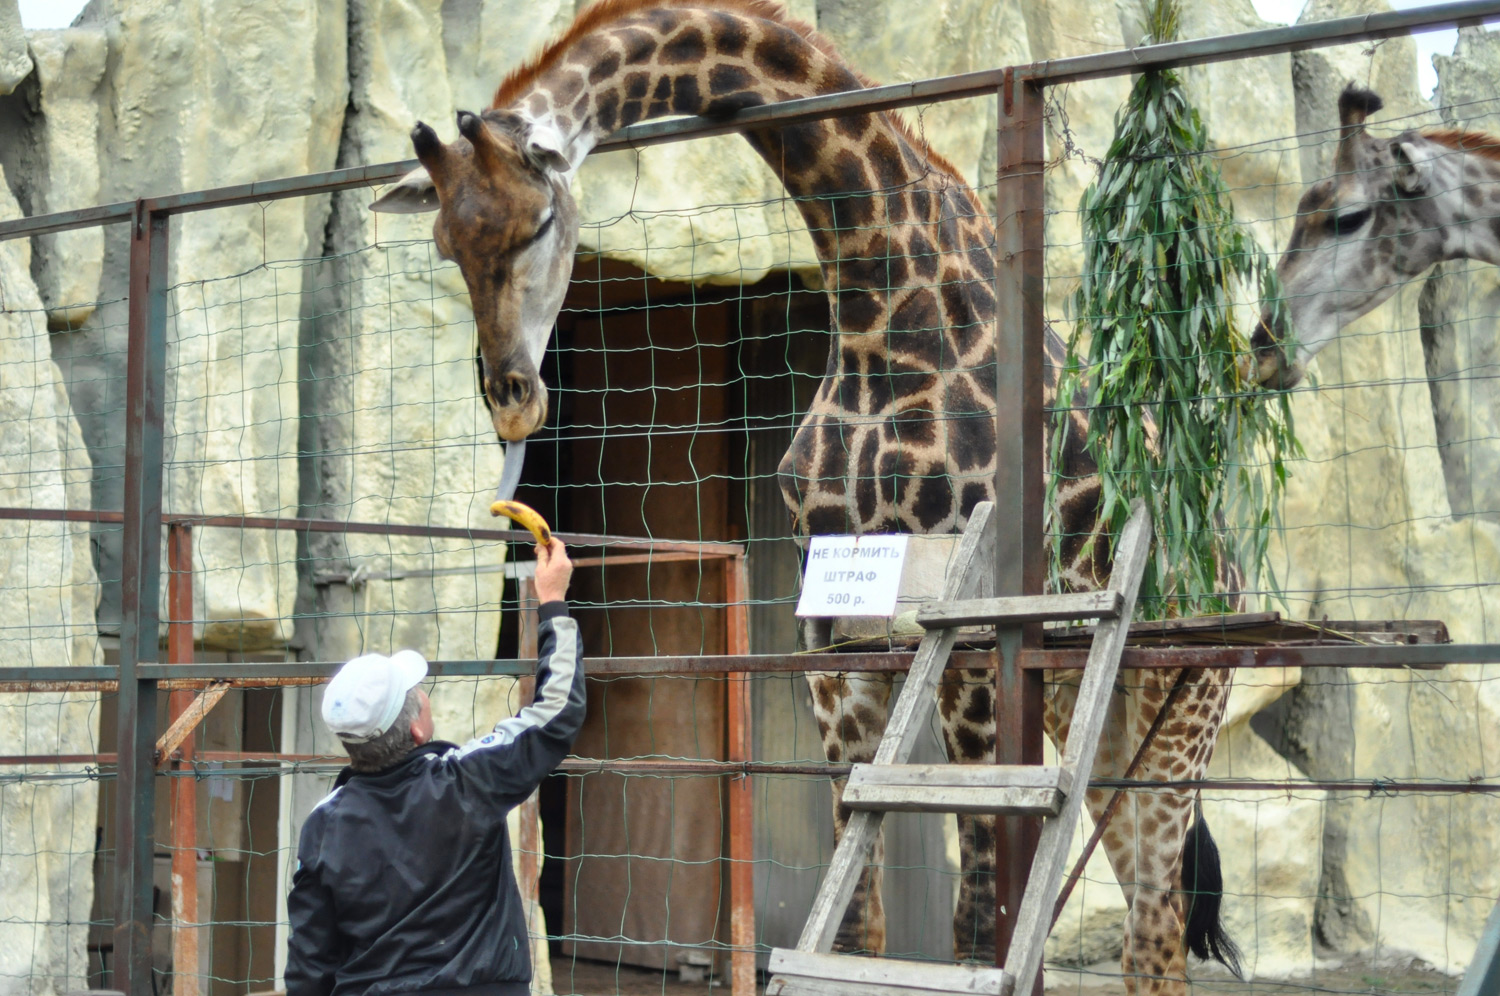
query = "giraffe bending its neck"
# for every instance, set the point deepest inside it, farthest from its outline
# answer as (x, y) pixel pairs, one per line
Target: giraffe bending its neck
(1393, 208)
(901, 433)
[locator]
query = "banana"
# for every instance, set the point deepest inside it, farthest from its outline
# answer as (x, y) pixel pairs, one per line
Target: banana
(525, 516)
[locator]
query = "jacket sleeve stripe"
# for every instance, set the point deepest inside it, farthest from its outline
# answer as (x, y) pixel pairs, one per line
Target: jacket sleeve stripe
(555, 692)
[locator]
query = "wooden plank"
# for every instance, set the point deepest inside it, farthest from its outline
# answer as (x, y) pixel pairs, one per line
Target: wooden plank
(1220, 623)
(1007, 800)
(1483, 976)
(1034, 919)
(908, 719)
(802, 985)
(1414, 630)
(794, 969)
(962, 775)
(1262, 628)
(182, 727)
(1020, 608)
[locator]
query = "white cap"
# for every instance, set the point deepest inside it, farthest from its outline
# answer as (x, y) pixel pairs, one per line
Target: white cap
(365, 697)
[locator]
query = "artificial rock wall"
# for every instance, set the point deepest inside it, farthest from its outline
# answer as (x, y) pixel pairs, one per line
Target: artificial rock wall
(46, 826)
(278, 359)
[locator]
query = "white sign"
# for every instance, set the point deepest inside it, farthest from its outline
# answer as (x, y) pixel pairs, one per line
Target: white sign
(852, 575)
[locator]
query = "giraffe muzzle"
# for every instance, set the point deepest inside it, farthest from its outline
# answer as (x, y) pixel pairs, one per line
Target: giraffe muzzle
(518, 403)
(1268, 360)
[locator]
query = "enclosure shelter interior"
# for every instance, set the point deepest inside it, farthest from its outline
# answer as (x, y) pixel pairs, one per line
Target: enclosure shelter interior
(257, 449)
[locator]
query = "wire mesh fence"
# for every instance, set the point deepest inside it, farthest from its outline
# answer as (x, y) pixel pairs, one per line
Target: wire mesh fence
(1353, 807)
(1313, 891)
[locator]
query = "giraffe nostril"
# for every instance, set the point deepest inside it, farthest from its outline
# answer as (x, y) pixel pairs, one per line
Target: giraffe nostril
(515, 389)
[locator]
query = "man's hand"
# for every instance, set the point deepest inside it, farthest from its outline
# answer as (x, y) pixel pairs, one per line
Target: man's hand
(553, 572)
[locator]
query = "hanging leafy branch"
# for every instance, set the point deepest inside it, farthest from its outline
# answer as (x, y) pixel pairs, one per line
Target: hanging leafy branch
(1156, 336)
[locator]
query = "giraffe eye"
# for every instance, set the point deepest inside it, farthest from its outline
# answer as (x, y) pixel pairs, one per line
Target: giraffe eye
(541, 230)
(1349, 222)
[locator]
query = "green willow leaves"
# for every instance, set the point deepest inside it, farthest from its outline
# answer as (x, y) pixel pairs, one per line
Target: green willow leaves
(1155, 361)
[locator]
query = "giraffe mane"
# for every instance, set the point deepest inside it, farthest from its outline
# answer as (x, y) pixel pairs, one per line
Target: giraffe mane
(1477, 142)
(604, 12)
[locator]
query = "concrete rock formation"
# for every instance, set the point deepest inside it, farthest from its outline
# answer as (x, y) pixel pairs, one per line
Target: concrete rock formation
(295, 321)
(69, 68)
(15, 61)
(46, 826)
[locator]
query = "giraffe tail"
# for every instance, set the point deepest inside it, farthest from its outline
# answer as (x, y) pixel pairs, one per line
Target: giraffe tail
(1203, 882)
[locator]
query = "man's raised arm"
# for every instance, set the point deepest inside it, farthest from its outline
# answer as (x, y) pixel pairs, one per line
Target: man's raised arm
(522, 750)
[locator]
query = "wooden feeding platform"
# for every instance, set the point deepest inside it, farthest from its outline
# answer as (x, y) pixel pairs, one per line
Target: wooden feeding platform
(1245, 639)
(1262, 629)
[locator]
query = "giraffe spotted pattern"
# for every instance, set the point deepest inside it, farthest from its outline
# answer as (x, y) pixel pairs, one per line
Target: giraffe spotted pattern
(901, 434)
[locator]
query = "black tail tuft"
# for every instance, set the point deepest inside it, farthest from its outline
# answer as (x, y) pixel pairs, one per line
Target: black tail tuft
(1203, 882)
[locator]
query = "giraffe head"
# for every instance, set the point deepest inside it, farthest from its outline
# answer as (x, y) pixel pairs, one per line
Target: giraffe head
(1393, 207)
(506, 217)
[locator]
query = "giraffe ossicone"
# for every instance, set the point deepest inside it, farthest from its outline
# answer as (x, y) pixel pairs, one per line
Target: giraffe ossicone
(900, 436)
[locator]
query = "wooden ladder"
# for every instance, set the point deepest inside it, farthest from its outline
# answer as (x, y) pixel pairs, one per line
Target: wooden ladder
(890, 784)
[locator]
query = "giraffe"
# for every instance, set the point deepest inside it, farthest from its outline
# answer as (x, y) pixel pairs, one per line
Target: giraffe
(901, 434)
(1393, 208)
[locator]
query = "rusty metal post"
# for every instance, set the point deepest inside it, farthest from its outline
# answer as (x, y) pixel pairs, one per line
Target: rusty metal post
(185, 918)
(529, 843)
(140, 601)
(1020, 565)
(738, 790)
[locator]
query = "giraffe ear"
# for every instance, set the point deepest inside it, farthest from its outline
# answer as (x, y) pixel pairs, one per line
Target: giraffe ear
(1413, 171)
(546, 149)
(412, 194)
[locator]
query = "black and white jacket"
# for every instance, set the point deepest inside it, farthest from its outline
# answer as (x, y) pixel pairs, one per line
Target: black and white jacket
(404, 881)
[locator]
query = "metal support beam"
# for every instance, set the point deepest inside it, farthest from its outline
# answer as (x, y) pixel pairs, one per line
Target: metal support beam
(185, 711)
(740, 801)
(145, 383)
(1020, 565)
(529, 843)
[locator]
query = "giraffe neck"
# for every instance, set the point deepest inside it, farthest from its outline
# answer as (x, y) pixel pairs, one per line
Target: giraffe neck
(1466, 204)
(901, 433)
(881, 207)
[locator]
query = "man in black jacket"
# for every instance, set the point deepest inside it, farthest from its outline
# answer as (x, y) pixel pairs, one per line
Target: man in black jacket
(404, 881)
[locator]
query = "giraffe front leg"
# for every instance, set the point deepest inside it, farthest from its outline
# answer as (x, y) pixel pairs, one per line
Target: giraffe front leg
(966, 705)
(1151, 950)
(1144, 838)
(851, 712)
(1153, 958)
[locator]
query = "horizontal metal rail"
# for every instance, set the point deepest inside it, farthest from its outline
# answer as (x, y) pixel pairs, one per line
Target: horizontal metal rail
(273, 673)
(1198, 51)
(275, 764)
(209, 761)
(631, 543)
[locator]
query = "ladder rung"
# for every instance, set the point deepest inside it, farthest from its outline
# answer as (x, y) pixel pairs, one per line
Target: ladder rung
(1018, 789)
(802, 973)
(1021, 608)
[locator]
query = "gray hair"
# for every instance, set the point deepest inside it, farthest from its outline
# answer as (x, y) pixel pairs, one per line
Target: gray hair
(391, 746)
